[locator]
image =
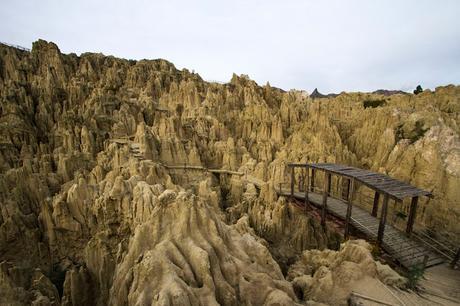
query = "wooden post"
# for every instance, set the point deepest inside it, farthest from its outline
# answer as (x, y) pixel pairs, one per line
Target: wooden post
(292, 182)
(456, 258)
(349, 207)
(383, 219)
(312, 182)
(412, 212)
(325, 195)
(425, 260)
(329, 183)
(346, 184)
(306, 185)
(301, 183)
(375, 208)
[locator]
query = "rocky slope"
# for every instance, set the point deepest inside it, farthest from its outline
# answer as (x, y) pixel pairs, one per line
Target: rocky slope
(91, 214)
(329, 276)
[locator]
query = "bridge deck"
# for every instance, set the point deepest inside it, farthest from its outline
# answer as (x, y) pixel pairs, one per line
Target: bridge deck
(400, 247)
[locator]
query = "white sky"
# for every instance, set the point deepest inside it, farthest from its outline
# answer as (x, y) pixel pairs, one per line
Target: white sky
(333, 45)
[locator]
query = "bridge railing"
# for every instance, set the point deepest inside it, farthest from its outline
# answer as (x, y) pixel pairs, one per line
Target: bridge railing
(439, 247)
(15, 46)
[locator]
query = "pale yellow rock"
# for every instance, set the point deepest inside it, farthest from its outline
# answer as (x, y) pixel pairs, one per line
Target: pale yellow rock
(328, 276)
(84, 187)
(194, 258)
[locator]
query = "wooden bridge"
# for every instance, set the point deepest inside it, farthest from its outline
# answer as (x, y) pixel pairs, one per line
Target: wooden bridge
(400, 245)
(135, 151)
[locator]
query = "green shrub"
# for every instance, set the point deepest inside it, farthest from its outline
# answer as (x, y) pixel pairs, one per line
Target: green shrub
(373, 103)
(418, 90)
(414, 275)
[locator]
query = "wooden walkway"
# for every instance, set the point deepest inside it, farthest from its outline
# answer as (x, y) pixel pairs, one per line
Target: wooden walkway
(395, 242)
(135, 150)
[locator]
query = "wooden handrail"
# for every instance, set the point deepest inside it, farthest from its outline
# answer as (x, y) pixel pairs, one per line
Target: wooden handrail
(418, 236)
(201, 168)
(15, 46)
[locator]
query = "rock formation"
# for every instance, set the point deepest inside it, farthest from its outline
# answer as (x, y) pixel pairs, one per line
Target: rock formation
(93, 212)
(328, 276)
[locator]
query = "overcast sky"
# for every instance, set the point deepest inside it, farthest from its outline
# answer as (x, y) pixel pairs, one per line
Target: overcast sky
(333, 45)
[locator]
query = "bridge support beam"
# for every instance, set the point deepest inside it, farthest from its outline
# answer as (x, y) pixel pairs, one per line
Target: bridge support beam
(349, 207)
(301, 183)
(307, 177)
(345, 188)
(312, 182)
(375, 207)
(383, 219)
(292, 182)
(456, 259)
(412, 213)
(325, 195)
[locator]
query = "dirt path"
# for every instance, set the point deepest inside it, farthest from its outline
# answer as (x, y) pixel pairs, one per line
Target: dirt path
(440, 286)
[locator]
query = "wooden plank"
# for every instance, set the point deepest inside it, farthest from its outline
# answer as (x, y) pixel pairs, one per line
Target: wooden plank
(386, 185)
(345, 168)
(409, 253)
(397, 239)
(348, 173)
(410, 262)
(395, 235)
(416, 257)
(408, 247)
(395, 246)
(355, 173)
(406, 191)
(394, 239)
(378, 178)
(365, 176)
(404, 187)
(405, 194)
(379, 185)
(434, 262)
(412, 193)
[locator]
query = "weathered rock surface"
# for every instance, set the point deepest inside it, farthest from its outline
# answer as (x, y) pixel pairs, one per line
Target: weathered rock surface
(328, 276)
(90, 210)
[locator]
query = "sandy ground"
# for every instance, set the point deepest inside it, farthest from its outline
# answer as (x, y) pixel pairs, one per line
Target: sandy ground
(440, 286)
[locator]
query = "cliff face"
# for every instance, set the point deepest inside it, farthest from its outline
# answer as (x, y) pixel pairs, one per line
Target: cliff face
(89, 210)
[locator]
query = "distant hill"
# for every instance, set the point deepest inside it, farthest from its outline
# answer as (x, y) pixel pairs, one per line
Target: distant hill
(389, 92)
(316, 94)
